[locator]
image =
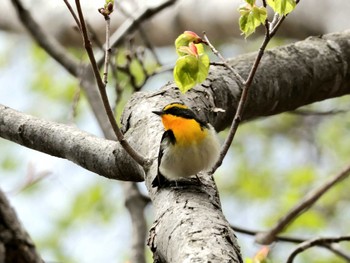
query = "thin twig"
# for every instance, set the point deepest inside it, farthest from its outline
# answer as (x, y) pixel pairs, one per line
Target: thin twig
(87, 44)
(47, 42)
(244, 96)
(142, 32)
(132, 23)
(296, 240)
(238, 116)
(315, 242)
(107, 50)
(76, 19)
(317, 113)
(278, 238)
(337, 251)
(224, 61)
(118, 88)
(94, 37)
(269, 236)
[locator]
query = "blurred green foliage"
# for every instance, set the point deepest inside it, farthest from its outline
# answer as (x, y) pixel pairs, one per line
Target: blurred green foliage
(91, 208)
(9, 163)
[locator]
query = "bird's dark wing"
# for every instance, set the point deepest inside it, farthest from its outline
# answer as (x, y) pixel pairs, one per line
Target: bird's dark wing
(168, 137)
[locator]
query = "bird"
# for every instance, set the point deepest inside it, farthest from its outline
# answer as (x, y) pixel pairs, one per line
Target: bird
(188, 145)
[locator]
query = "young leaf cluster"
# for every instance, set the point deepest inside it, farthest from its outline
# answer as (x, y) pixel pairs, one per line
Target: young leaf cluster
(192, 66)
(252, 16)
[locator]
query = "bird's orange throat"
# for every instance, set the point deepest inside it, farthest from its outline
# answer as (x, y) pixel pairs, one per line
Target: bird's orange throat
(186, 131)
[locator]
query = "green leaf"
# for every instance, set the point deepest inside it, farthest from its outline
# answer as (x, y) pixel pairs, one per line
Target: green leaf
(251, 2)
(282, 7)
(259, 14)
(251, 18)
(190, 70)
(185, 39)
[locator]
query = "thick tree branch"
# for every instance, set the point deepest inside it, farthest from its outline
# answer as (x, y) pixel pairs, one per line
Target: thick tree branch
(101, 156)
(190, 226)
(136, 202)
(15, 244)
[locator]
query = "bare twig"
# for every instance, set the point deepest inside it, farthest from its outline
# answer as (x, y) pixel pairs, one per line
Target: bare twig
(238, 116)
(47, 42)
(132, 24)
(224, 61)
(142, 32)
(336, 250)
(32, 178)
(315, 242)
(317, 113)
(107, 50)
(87, 44)
(76, 19)
(296, 240)
(268, 237)
(244, 96)
(278, 238)
(117, 87)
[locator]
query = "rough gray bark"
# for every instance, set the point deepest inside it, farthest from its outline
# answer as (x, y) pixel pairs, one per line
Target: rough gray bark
(15, 243)
(135, 202)
(98, 155)
(190, 225)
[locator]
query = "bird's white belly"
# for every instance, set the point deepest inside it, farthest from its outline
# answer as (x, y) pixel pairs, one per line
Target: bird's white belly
(179, 161)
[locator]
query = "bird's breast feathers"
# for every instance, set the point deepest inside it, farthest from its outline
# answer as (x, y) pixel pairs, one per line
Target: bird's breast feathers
(190, 157)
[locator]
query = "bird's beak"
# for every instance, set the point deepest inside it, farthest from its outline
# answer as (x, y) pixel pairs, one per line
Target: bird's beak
(158, 112)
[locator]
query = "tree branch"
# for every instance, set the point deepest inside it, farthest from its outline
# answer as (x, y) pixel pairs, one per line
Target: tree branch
(106, 158)
(135, 202)
(297, 240)
(320, 241)
(16, 245)
(47, 42)
(102, 89)
(269, 236)
(190, 225)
